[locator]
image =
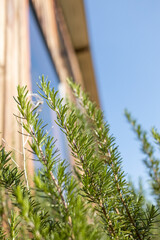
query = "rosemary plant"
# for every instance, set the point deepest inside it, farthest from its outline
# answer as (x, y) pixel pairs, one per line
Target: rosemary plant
(95, 201)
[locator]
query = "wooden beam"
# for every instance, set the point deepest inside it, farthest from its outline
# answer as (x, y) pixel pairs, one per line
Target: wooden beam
(74, 15)
(2, 64)
(85, 62)
(74, 30)
(72, 58)
(45, 12)
(14, 61)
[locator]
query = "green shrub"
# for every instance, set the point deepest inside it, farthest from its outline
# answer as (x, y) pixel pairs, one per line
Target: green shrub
(96, 202)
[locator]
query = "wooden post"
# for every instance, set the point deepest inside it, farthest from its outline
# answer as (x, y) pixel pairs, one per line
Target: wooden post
(2, 63)
(45, 12)
(14, 70)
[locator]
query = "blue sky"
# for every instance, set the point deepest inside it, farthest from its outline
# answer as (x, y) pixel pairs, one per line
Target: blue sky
(125, 44)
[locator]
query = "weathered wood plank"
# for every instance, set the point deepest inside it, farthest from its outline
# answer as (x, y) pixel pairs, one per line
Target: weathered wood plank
(24, 71)
(86, 66)
(2, 64)
(17, 71)
(77, 74)
(9, 75)
(74, 15)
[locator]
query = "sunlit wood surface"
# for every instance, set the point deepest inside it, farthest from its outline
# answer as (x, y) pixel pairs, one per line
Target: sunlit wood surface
(14, 70)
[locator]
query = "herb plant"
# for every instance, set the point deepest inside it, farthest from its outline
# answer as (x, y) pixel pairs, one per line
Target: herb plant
(94, 200)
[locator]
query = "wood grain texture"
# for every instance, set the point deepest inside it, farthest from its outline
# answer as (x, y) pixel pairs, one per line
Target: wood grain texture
(86, 66)
(2, 63)
(74, 15)
(15, 70)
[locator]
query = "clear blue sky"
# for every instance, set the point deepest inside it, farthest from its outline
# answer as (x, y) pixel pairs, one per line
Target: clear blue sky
(125, 44)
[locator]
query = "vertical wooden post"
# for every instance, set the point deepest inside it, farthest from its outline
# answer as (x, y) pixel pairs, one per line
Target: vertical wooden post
(14, 70)
(2, 63)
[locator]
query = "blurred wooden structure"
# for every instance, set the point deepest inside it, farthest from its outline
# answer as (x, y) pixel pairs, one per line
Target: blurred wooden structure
(14, 70)
(63, 25)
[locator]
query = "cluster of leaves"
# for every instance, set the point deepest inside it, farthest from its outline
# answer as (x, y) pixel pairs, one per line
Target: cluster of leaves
(151, 161)
(94, 203)
(149, 147)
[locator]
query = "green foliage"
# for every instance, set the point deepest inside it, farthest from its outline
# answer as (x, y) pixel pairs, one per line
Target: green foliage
(96, 202)
(151, 161)
(150, 148)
